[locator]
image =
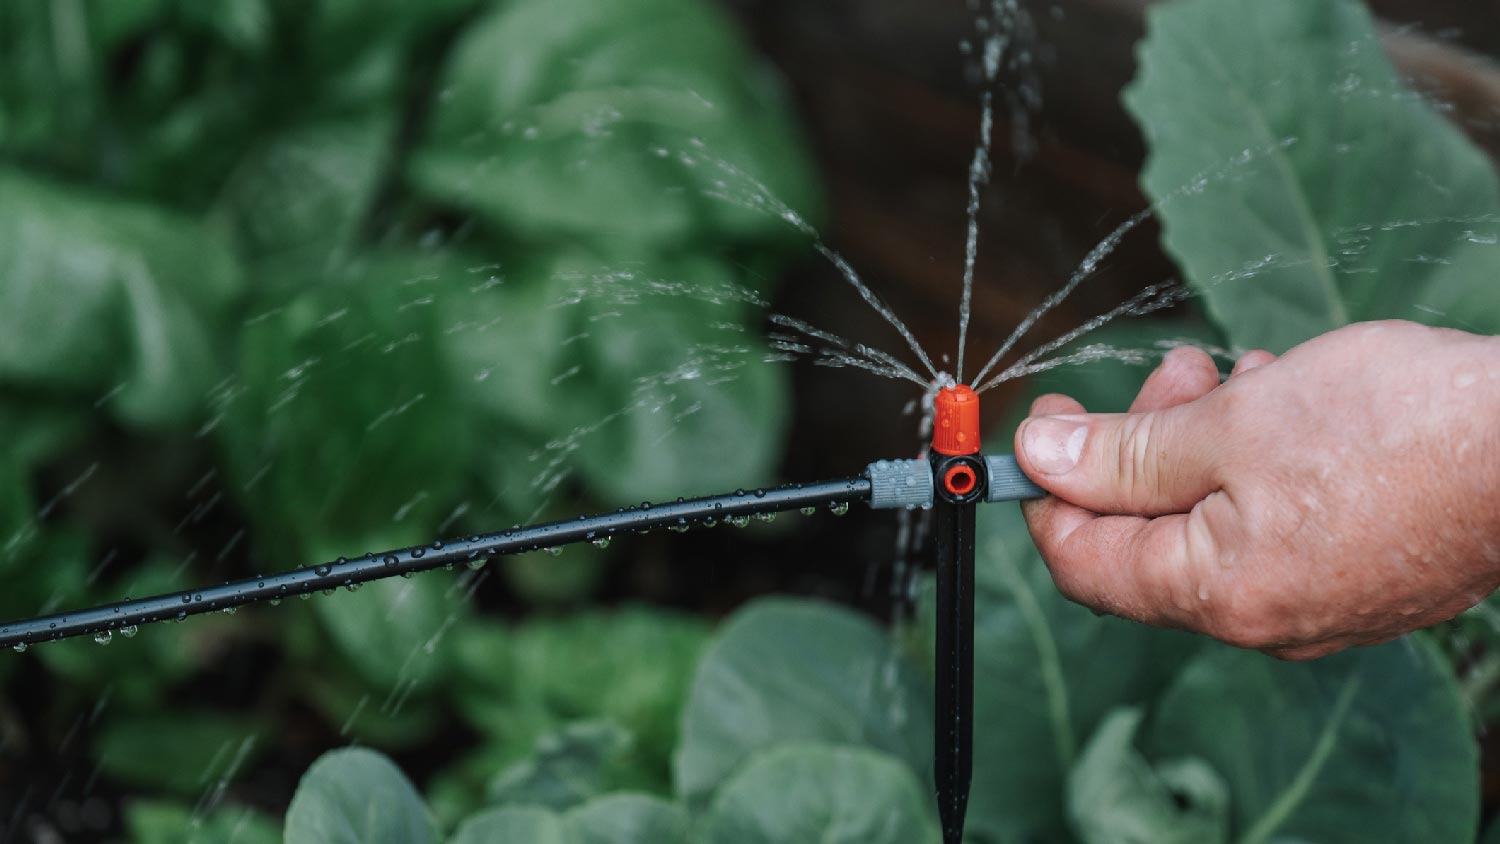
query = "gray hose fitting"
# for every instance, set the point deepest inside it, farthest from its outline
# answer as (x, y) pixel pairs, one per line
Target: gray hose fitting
(1007, 481)
(900, 484)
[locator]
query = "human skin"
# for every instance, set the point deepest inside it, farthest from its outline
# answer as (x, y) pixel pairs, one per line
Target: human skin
(1343, 494)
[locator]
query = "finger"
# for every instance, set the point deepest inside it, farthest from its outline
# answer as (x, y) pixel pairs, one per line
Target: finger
(1128, 566)
(1185, 374)
(1054, 404)
(1147, 464)
(1251, 360)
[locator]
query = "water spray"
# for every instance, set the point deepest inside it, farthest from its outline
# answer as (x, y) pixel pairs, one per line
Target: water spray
(951, 480)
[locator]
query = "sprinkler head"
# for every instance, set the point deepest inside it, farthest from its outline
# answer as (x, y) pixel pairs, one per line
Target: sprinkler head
(955, 423)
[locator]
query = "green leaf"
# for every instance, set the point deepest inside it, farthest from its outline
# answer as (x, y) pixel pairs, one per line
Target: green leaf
(304, 191)
(833, 795)
(631, 666)
(566, 768)
(1047, 671)
(156, 822)
(1370, 745)
(799, 671)
(507, 338)
(694, 410)
(1116, 797)
(533, 825)
(112, 301)
(590, 130)
(627, 819)
(356, 796)
(183, 752)
(1302, 185)
(614, 819)
(638, 377)
(346, 433)
(393, 631)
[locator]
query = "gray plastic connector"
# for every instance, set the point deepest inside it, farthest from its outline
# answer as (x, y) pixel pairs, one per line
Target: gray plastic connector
(1007, 482)
(900, 484)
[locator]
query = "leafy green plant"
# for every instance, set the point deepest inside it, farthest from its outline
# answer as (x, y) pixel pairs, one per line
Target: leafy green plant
(339, 279)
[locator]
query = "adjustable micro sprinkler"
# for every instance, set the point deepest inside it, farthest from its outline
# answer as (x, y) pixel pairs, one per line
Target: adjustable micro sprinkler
(950, 481)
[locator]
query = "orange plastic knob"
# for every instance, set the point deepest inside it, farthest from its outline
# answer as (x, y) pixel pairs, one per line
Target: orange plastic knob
(955, 423)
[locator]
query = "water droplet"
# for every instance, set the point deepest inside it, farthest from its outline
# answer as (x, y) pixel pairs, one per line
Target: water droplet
(808, 511)
(645, 505)
(187, 599)
(323, 571)
(306, 596)
(181, 615)
(275, 602)
(129, 631)
(680, 527)
(476, 564)
(19, 647)
(229, 610)
(760, 493)
(408, 574)
(739, 521)
(437, 545)
(390, 560)
(418, 552)
(710, 521)
(340, 561)
(602, 542)
(554, 550)
(765, 517)
(352, 586)
(838, 508)
(103, 637)
(327, 591)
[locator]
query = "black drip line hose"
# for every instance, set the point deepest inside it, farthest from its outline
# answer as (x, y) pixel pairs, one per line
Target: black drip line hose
(682, 514)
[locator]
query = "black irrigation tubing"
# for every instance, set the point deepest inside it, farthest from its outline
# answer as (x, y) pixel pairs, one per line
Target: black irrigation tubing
(129, 614)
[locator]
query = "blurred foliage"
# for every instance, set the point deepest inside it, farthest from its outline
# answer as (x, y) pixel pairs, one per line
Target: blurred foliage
(283, 281)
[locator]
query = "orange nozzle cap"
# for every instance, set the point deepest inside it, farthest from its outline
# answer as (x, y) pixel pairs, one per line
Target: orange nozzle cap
(955, 423)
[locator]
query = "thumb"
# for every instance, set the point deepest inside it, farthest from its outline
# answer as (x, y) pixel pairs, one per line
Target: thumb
(1144, 464)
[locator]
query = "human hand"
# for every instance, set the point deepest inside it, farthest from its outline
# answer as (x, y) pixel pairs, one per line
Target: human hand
(1343, 494)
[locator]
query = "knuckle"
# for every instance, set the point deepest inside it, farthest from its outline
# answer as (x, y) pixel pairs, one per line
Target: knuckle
(1241, 624)
(1134, 467)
